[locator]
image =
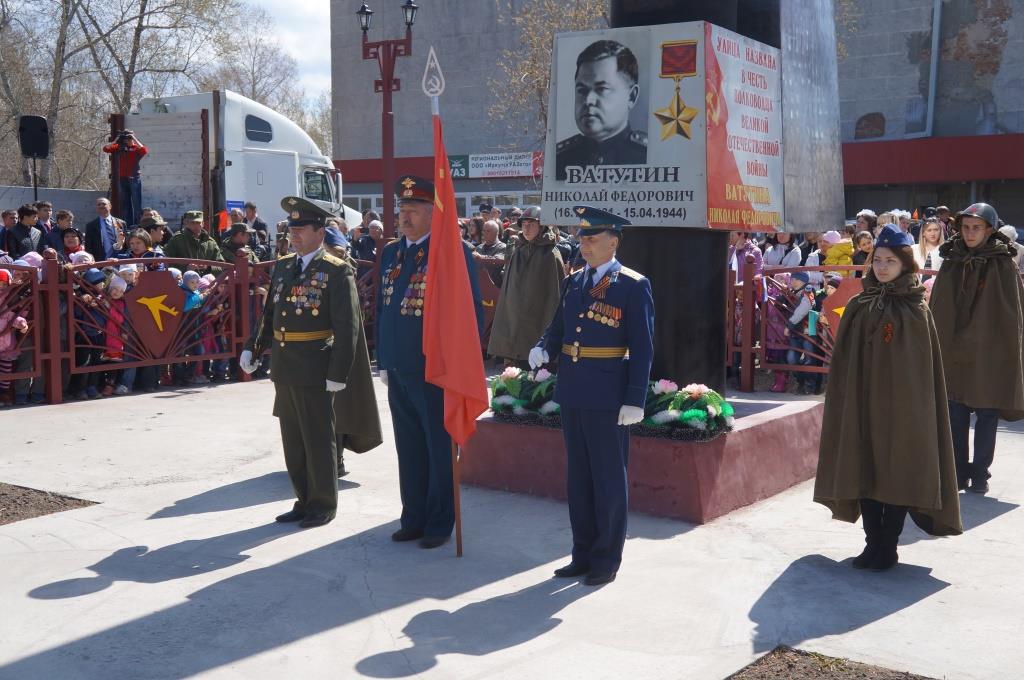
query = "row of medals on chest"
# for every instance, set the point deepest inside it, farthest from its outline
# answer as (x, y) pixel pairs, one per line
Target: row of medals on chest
(599, 311)
(412, 300)
(304, 296)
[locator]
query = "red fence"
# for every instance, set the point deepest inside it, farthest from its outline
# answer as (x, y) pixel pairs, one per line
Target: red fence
(75, 328)
(756, 312)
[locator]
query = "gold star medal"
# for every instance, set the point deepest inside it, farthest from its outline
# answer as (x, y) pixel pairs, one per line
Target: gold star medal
(678, 61)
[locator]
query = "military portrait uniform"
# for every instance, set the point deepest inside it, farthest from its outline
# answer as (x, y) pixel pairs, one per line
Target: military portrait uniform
(602, 334)
(417, 407)
(628, 147)
(311, 323)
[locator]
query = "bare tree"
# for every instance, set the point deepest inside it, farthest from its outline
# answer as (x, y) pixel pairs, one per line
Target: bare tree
(526, 70)
(132, 40)
(252, 62)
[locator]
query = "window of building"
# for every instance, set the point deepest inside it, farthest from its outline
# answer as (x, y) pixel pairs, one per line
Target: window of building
(531, 199)
(257, 129)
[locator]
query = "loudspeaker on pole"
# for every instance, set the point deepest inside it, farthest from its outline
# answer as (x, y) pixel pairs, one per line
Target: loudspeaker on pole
(34, 137)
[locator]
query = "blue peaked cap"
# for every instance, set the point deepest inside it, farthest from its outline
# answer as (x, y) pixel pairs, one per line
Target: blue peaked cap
(892, 236)
(594, 220)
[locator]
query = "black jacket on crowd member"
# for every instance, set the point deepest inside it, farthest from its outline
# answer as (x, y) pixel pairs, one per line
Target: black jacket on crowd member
(364, 248)
(20, 239)
(806, 248)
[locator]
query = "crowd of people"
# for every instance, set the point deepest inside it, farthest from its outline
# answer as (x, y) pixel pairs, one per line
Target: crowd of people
(794, 302)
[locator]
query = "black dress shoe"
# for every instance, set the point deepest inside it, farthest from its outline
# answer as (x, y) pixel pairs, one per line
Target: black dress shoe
(406, 535)
(317, 520)
(429, 542)
(570, 570)
(979, 486)
(342, 471)
(599, 578)
(864, 560)
(885, 559)
(291, 516)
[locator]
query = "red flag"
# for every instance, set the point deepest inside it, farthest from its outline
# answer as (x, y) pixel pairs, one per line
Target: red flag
(451, 341)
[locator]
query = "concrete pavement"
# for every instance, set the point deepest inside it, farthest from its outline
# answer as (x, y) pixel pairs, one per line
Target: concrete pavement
(180, 571)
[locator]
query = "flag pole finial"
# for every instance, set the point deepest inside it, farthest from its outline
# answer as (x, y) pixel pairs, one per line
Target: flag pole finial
(433, 80)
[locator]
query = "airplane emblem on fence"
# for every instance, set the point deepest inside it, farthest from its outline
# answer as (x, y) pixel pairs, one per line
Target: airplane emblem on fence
(156, 305)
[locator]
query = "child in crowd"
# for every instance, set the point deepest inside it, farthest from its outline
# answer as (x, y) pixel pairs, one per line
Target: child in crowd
(176, 273)
(12, 327)
(863, 242)
(886, 447)
(185, 373)
(129, 273)
(89, 341)
(117, 323)
(801, 346)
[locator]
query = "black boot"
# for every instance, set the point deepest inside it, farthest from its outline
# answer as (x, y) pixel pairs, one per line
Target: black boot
(871, 515)
(892, 526)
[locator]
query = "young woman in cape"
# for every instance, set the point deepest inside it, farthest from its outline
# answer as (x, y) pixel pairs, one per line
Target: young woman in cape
(978, 303)
(886, 447)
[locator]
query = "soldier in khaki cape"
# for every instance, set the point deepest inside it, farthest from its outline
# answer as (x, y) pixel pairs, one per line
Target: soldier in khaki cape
(311, 322)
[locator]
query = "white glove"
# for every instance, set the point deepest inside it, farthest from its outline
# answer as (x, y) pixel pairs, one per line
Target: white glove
(538, 357)
(630, 415)
(335, 386)
(384, 376)
(246, 363)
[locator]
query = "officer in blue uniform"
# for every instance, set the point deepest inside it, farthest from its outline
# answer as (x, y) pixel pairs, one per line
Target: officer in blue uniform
(602, 334)
(417, 407)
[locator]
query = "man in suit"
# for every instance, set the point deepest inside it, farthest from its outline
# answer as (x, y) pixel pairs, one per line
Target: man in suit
(256, 223)
(602, 334)
(312, 324)
(417, 407)
(101, 233)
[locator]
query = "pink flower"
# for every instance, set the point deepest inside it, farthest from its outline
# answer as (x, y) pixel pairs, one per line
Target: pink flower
(542, 375)
(696, 391)
(511, 373)
(665, 387)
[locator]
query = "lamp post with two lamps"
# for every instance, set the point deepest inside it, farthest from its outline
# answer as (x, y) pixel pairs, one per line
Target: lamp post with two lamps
(386, 52)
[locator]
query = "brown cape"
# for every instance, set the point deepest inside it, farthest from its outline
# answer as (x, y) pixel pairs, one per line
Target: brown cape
(885, 432)
(529, 297)
(977, 303)
(356, 419)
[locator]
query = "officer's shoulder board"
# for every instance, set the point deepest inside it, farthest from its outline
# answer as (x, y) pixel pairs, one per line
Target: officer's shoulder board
(570, 143)
(631, 274)
(286, 257)
(333, 259)
(638, 137)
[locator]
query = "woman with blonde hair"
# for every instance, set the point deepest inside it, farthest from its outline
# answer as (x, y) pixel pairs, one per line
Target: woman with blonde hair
(926, 252)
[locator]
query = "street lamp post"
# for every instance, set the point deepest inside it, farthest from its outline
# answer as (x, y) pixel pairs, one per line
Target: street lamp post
(386, 52)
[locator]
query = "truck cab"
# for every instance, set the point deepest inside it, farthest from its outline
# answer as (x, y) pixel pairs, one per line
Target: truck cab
(218, 150)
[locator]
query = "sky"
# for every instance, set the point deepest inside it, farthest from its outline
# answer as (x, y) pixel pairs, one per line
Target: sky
(304, 29)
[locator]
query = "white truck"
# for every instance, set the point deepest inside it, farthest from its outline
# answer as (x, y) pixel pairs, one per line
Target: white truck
(214, 151)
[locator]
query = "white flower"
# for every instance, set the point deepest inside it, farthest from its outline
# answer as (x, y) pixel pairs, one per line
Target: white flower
(729, 421)
(511, 373)
(696, 391)
(665, 417)
(519, 411)
(542, 375)
(696, 424)
(505, 400)
(548, 408)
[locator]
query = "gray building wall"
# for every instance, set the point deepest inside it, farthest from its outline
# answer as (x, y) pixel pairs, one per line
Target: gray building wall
(980, 70)
(468, 37)
(81, 202)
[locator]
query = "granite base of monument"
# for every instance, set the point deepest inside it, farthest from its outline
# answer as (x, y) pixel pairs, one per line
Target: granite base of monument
(773, 446)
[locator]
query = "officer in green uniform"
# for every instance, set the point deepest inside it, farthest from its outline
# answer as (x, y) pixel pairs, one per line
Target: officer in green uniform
(311, 323)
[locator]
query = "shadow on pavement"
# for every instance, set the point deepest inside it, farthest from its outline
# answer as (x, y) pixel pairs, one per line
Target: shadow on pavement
(138, 564)
(273, 486)
(270, 607)
(975, 510)
(815, 597)
(477, 629)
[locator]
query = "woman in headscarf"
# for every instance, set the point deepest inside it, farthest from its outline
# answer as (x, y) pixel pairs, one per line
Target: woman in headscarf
(885, 446)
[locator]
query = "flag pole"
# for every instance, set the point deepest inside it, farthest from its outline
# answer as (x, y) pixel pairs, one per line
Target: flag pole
(433, 86)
